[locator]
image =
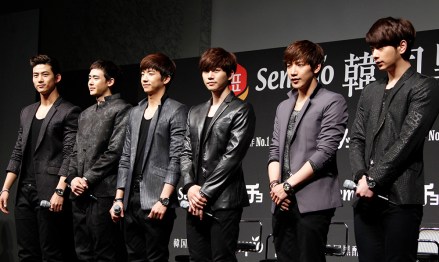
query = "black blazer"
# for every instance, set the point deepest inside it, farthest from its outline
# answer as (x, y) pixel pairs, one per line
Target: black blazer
(99, 145)
(225, 144)
(389, 145)
(54, 145)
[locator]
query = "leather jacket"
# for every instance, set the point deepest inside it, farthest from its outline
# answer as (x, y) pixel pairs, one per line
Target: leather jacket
(224, 146)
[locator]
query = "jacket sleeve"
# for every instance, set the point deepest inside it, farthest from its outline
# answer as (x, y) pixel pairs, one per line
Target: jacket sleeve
(333, 126)
(14, 164)
(110, 158)
(69, 138)
(422, 113)
(358, 140)
(274, 151)
(177, 132)
(125, 158)
(241, 134)
(186, 165)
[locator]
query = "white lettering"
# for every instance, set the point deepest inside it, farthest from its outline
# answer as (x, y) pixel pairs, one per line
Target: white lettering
(262, 79)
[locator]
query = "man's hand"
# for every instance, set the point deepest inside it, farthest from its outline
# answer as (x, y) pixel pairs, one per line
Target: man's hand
(78, 186)
(278, 194)
(157, 211)
(196, 201)
(4, 202)
(363, 189)
(115, 217)
(56, 203)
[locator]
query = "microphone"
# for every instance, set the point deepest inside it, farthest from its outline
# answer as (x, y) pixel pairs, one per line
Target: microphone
(349, 184)
(117, 209)
(45, 204)
(185, 205)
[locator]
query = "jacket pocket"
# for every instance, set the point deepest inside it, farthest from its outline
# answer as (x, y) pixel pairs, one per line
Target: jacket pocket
(52, 170)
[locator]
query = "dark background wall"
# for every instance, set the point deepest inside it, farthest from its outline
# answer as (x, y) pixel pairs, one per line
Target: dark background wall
(78, 32)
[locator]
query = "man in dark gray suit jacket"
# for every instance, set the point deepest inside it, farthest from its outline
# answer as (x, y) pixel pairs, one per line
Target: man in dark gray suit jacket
(149, 168)
(40, 161)
(93, 168)
(302, 168)
(218, 135)
(394, 115)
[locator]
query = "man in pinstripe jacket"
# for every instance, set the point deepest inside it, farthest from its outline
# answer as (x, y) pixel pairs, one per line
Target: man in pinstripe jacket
(149, 169)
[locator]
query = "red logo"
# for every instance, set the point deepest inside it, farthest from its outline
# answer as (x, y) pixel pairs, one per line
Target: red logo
(239, 83)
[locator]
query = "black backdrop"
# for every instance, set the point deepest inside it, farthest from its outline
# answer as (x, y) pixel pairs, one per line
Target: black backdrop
(261, 80)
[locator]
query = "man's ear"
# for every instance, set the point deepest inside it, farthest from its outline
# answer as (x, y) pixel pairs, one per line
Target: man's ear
(402, 48)
(166, 80)
(231, 75)
(57, 78)
(110, 82)
(317, 69)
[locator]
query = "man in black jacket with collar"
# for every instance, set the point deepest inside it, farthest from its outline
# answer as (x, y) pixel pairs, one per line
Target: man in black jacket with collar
(394, 115)
(93, 167)
(40, 161)
(218, 135)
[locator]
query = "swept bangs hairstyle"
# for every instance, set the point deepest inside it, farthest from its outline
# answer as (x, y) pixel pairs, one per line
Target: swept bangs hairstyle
(391, 31)
(46, 60)
(304, 51)
(217, 57)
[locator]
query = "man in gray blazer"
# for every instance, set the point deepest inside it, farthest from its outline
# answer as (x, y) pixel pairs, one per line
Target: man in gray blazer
(394, 115)
(302, 165)
(149, 168)
(40, 161)
(93, 167)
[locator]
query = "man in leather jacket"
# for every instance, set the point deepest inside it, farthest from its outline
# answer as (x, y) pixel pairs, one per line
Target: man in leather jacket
(394, 115)
(218, 135)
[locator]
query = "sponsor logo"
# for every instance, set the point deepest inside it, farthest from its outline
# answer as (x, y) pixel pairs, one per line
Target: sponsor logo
(239, 83)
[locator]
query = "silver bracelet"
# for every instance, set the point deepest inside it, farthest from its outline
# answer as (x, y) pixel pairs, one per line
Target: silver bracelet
(4, 190)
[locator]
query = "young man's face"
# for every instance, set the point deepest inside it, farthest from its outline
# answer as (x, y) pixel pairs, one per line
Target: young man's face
(152, 81)
(216, 80)
(301, 74)
(386, 57)
(44, 79)
(98, 86)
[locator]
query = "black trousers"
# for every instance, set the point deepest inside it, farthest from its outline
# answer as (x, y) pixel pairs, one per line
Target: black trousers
(97, 237)
(42, 235)
(214, 239)
(386, 232)
(301, 237)
(147, 239)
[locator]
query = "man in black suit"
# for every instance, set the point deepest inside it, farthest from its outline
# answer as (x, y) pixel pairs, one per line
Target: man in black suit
(93, 167)
(40, 161)
(394, 115)
(149, 168)
(218, 135)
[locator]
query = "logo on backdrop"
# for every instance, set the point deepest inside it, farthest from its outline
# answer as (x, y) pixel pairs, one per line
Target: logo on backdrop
(431, 197)
(239, 83)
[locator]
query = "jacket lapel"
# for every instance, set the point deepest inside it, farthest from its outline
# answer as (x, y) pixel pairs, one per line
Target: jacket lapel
(137, 116)
(218, 112)
(28, 118)
(46, 122)
(394, 90)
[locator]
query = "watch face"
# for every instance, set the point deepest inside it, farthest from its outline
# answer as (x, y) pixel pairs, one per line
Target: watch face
(287, 187)
(164, 201)
(59, 192)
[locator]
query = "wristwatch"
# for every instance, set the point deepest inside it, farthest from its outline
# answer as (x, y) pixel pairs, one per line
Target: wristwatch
(370, 182)
(164, 201)
(288, 188)
(59, 191)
